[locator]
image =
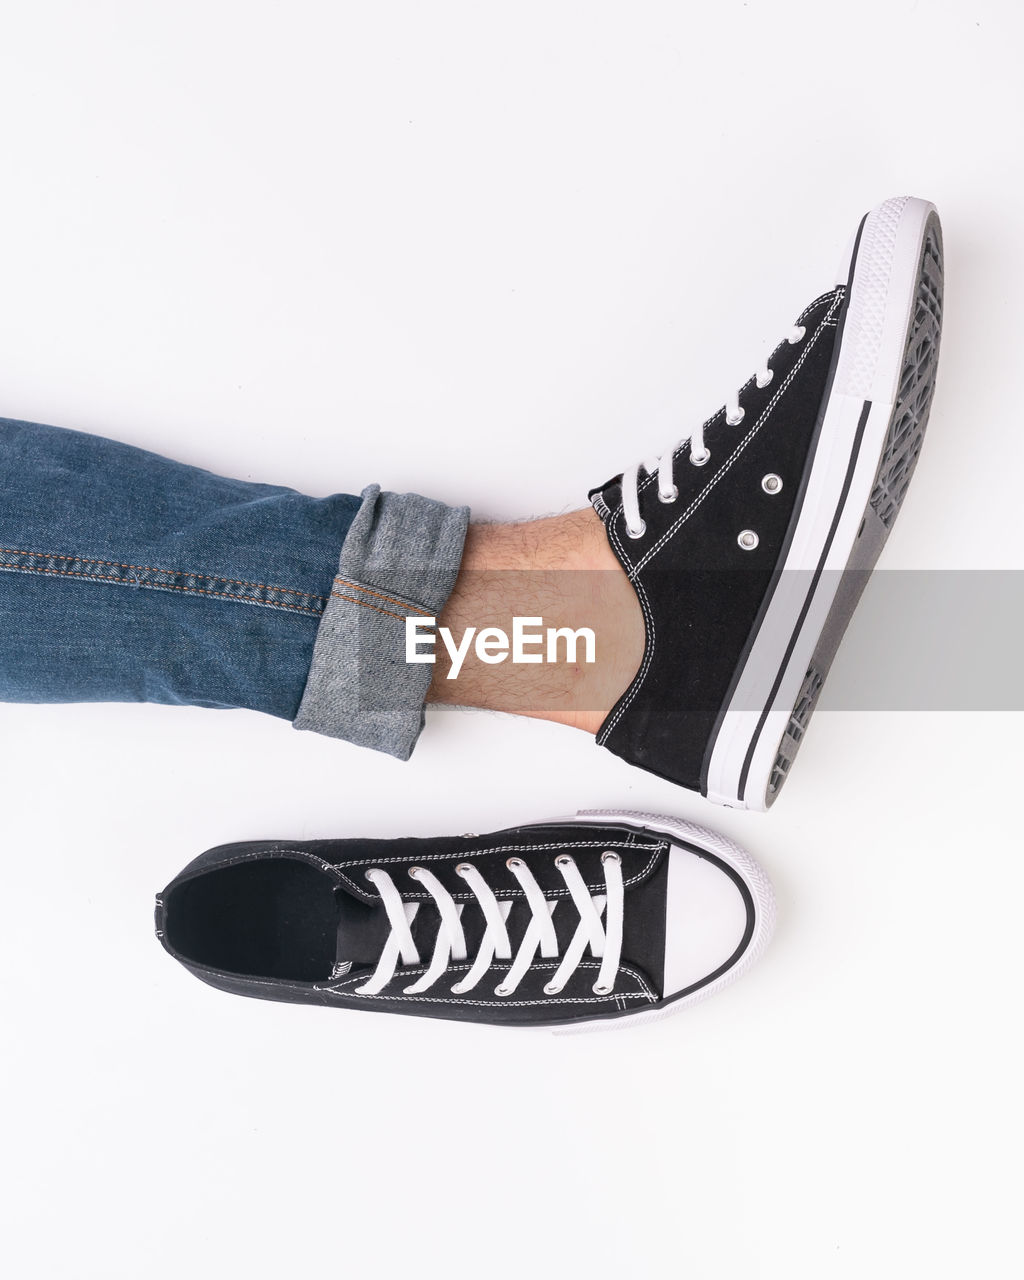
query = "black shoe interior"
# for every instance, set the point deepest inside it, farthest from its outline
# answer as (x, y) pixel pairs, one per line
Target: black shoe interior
(274, 918)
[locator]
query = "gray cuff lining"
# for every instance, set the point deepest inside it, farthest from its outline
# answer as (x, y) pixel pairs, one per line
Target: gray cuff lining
(400, 557)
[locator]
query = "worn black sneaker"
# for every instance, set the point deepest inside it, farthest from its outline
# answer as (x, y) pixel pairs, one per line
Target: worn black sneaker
(749, 544)
(605, 917)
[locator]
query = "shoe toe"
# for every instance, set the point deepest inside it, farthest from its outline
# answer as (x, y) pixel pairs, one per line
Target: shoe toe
(709, 920)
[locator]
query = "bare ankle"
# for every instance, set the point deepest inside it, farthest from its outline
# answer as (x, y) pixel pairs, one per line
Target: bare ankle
(560, 573)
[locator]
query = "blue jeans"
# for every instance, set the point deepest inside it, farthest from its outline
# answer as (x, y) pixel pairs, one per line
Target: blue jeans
(126, 577)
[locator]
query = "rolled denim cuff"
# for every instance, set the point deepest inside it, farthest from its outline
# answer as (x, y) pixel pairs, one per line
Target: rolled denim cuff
(399, 559)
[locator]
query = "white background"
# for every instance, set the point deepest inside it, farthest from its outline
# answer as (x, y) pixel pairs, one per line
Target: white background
(494, 252)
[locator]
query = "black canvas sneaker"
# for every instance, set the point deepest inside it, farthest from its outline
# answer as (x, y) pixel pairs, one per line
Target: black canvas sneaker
(601, 918)
(750, 543)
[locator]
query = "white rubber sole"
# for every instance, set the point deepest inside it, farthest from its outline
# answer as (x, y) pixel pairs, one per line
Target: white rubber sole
(771, 693)
(752, 875)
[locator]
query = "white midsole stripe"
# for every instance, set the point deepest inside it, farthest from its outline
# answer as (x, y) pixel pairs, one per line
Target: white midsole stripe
(867, 369)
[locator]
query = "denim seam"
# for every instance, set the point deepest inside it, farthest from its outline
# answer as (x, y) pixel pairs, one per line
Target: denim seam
(366, 605)
(121, 580)
(357, 586)
(145, 568)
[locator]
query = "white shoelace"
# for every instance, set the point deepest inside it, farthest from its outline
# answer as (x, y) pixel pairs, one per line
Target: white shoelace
(699, 453)
(604, 941)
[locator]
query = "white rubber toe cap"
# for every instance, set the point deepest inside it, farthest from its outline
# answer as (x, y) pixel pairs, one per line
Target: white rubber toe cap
(706, 920)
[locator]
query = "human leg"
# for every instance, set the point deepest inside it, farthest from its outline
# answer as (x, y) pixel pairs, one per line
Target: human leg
(126, 576)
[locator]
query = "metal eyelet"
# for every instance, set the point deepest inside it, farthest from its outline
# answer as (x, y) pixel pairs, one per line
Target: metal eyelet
(671, 497)
(502, 990)
(748, 540)
(462, 869)
(767, 382)
(551, 990)
(563, 860)
(639, 533)
(415, 872)
(735, 422)
(371, 874)
(771, 483)
(601, 989)
(801, 332)
(513, 863)
(700, 459)
(610, 855)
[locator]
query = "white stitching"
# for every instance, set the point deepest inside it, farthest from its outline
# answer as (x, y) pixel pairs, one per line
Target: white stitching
(644, 992)
(674, 528)
(634, 570)
(501, 848)
(840, 289)
(499, 1003)
(254, 855)
(509, 848)
(650, 634)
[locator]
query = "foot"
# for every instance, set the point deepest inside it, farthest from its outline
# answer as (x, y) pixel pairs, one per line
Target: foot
(749, 544)
(602, 918)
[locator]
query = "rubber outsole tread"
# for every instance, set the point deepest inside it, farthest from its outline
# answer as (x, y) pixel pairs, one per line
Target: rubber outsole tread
(900, 455)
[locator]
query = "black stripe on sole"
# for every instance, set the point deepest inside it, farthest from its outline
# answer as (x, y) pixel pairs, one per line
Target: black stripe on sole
(858, 439)
(899, 458)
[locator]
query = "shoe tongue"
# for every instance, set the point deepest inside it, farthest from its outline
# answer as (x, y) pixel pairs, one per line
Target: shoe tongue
(363, 929)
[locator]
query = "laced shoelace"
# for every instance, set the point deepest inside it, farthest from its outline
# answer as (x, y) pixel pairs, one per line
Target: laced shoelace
(603, 940)
(700, 455)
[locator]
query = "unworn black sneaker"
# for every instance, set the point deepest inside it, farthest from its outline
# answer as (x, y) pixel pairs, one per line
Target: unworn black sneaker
(749, 544)
(603, 917)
